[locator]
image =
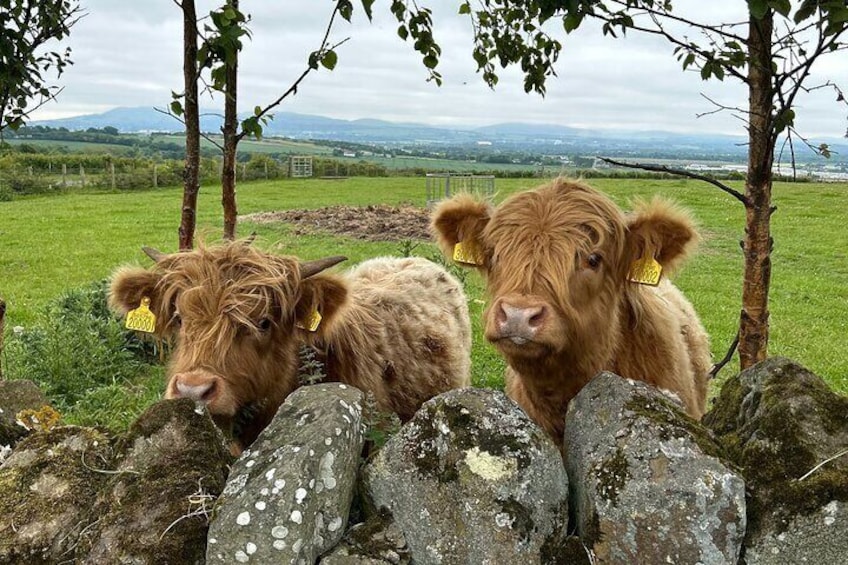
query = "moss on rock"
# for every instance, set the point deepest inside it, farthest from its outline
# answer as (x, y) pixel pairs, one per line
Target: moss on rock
(612, 475)
(777, 421)
(46, 487)
(172, 465)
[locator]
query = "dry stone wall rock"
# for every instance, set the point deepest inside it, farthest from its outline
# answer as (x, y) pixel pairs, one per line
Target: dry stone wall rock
(785, 429)
(47, 486)
(647, 483)
(470, 479)
(169, 468)
(288, 496)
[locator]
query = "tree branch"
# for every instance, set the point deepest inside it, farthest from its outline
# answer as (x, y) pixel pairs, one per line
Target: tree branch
(727, 357)
(663, 169)
(293, 88)
(182, 121)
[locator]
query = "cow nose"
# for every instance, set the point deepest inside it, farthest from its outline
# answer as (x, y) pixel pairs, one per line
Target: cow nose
(520, 323)
(195, 387)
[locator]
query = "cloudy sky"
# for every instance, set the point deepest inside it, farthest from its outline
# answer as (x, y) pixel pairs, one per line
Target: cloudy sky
(129, 54)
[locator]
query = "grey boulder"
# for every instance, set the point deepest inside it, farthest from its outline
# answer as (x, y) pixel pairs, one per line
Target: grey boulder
(648, 483)
(470, 479)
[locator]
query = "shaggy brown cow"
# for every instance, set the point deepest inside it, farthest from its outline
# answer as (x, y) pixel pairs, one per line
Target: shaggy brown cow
(398, 328)
(562, 306)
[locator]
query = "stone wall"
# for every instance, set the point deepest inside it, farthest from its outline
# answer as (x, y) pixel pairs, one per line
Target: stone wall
(469, 480)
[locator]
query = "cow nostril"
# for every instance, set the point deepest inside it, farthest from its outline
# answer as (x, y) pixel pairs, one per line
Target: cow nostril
(209, 394)
(501, 315)
(538, 317)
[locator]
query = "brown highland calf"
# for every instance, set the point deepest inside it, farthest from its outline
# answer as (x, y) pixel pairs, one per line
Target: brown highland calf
(557, 262)
(398, 328)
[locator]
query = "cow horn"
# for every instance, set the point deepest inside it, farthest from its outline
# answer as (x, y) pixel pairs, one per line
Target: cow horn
(154, 254)
(248, 241)
(314, 267)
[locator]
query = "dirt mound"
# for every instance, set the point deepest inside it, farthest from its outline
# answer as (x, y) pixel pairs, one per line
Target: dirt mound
(373, 223)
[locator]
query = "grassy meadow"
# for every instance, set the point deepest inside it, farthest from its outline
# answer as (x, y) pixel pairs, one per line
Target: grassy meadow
(50, 244)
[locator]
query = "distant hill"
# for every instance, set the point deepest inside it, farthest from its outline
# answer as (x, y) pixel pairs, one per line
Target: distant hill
(544, 138)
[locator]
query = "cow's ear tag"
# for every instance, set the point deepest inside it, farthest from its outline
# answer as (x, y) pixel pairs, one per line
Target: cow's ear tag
(467, 253)
(141, 319)
(645, 269)
(312, 321)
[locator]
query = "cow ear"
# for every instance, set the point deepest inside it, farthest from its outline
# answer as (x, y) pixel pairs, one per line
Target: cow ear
(325, 294)
(663, 230)
(131, 285)
(460, 219)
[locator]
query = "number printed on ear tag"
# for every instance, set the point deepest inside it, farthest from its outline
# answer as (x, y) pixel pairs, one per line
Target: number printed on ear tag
(141, 319)
(467, 253)
(645, 270)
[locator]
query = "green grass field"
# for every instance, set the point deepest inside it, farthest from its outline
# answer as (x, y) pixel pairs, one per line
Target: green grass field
(49, 244)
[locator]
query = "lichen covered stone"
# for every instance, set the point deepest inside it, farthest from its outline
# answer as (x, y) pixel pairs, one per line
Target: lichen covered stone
(471, 479)
(15, 397)
(648, 483)
(47, 486)
(778, 422)
(288, 496)
(169, 469)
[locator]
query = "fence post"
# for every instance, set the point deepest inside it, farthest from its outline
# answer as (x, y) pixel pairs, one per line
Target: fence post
(266, 169)
(155, 178)
(29, 169)
(82, 176)
(64, 175)
(112, 171)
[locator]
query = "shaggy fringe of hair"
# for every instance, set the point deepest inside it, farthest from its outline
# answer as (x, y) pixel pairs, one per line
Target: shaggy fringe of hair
(253, 281)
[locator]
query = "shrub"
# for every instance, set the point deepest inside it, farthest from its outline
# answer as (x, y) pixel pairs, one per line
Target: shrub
(78, 347)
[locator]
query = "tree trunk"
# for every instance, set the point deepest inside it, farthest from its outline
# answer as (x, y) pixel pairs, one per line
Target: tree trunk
(228, 170)
(191, 182)
(754, 322)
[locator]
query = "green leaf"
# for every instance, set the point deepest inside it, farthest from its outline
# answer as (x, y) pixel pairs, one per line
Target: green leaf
(572, 21)
(257, 110)
(330, 59)
(430, 61)
(782, 7)
(784, 119)
(465, 8)
(367, 6)
(403, 32)
(176, 108)
(758, 8)
(807, 9)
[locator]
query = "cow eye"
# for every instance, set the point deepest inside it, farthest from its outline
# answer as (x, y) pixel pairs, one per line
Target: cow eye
(176, 319)
(594, 260)
(264, 324)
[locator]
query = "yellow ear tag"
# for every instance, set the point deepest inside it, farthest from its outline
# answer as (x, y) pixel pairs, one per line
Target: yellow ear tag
(645, 270)
(312, 321)
(141, 319)
(467, 253)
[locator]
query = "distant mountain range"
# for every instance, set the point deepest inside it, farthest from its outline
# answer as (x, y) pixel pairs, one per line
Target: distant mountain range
(535, 137)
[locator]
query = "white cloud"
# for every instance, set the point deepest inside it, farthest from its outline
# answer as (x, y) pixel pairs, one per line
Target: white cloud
(129, 54)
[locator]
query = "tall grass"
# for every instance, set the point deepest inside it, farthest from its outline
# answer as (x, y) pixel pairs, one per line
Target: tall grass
(50, 244)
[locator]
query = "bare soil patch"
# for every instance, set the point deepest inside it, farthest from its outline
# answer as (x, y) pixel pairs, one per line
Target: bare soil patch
(373, 223)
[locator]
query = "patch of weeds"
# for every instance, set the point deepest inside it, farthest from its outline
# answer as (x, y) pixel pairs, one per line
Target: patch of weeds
(81, 356)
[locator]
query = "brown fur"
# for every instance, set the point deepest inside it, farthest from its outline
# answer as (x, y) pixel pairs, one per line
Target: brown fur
(538, 251)
(234, 309)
